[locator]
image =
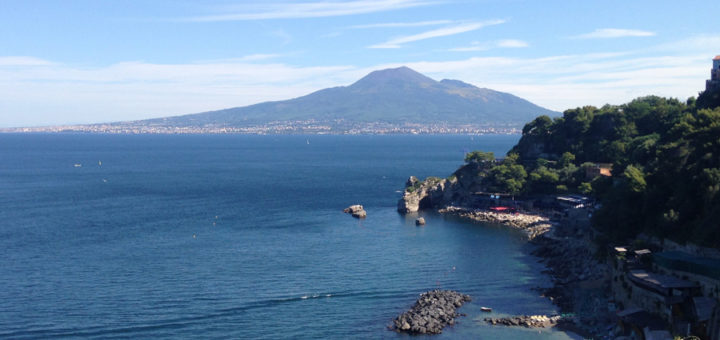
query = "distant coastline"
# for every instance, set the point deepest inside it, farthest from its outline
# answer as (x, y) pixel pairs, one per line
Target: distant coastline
(334, 127)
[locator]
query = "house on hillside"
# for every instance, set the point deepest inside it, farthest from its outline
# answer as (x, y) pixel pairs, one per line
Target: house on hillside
(598, 169)
(679, 288)
(705, 271)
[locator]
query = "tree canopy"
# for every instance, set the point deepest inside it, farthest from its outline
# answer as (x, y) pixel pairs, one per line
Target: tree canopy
(665, 158)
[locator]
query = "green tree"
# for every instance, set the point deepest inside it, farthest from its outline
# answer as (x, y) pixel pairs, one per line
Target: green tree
(585, 188)
(506, 177)
(479, 157)
(635, 179)
(544, 180)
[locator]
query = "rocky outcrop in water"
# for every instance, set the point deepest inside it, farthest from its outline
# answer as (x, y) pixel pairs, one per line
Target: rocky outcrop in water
(420, 221)
(530, 321)
(436, 193)
(422, 194)
(356, 211)
(431, 313)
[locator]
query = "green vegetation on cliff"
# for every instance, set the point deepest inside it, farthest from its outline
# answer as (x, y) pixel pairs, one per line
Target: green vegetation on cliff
(665, 160)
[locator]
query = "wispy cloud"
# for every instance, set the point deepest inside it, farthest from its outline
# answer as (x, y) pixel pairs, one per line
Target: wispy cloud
(247, 58)
(512, 43)
(583, 79)
(403, 24)
(440, 32)
(292, 10)
(478, 46)
(57, 93)
(608, 33)
(34, 91)
(23, 61)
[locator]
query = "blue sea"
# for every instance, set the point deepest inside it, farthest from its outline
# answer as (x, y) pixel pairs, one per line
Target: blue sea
(235, 236)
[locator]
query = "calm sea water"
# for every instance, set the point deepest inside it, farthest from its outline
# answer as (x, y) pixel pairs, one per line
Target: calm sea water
(242, 237)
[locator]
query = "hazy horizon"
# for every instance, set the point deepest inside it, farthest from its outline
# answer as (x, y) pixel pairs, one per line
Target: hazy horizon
(81, 62)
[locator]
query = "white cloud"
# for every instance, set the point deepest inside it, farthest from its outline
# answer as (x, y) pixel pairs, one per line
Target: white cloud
(290, 10)
(60, 93)
(474, 48)
(562, 82)
(23, 61)
(511, 43)
(247, 58)
(477, 46)
(35, 92)
(441, 32)
(403, 24)
(606, 33)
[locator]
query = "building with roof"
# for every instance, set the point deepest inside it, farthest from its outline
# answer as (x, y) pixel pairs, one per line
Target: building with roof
(667, 297)
(705, 271)
(714, 81)
(598, 169)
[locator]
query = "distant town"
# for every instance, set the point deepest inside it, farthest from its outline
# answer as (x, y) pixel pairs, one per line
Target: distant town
(276, 127)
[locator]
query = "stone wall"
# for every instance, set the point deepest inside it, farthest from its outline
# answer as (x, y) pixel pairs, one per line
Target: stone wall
(627, 293)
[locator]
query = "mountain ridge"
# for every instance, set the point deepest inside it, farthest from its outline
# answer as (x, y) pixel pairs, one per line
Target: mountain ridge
(398, 95)
(396, 100)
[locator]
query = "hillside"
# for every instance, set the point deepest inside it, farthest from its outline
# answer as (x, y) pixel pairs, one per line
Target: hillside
(663, 175)
(394, 96)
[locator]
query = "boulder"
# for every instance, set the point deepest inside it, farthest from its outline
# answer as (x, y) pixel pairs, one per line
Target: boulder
(356, 211)
(420, 221)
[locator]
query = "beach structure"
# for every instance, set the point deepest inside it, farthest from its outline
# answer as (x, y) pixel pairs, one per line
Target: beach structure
(704, 270)
(678, 287)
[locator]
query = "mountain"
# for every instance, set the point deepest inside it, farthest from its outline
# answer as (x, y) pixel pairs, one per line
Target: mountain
(393, 96)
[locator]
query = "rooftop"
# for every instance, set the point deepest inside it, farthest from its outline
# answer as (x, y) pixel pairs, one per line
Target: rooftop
(660, 281)
(677, 260)
(717, 57)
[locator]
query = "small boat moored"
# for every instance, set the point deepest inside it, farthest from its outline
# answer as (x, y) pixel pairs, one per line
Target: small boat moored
(486, 309)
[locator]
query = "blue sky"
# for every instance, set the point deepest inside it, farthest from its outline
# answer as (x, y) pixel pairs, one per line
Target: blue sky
(66, 62)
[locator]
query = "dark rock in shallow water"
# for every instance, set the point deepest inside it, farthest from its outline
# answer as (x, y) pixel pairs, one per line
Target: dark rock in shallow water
(356, 211)
(431, 313)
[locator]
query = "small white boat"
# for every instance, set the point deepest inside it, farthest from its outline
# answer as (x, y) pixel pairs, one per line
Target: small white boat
(78, 165)
(486, 309)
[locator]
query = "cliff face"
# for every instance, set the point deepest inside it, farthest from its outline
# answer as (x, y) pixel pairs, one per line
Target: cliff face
(425, 194)
(437, 193)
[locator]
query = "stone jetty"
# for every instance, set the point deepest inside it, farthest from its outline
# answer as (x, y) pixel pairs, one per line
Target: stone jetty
(431, 313)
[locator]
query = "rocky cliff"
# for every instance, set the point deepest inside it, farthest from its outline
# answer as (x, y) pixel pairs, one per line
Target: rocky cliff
(438, 193)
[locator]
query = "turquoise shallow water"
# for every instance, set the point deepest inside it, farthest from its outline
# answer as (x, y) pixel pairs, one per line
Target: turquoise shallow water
(242, 237)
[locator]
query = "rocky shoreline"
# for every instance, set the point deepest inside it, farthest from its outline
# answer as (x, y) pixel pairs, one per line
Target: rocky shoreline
(530, 321)
(580, 282)
(533, 225)
(432, 311)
